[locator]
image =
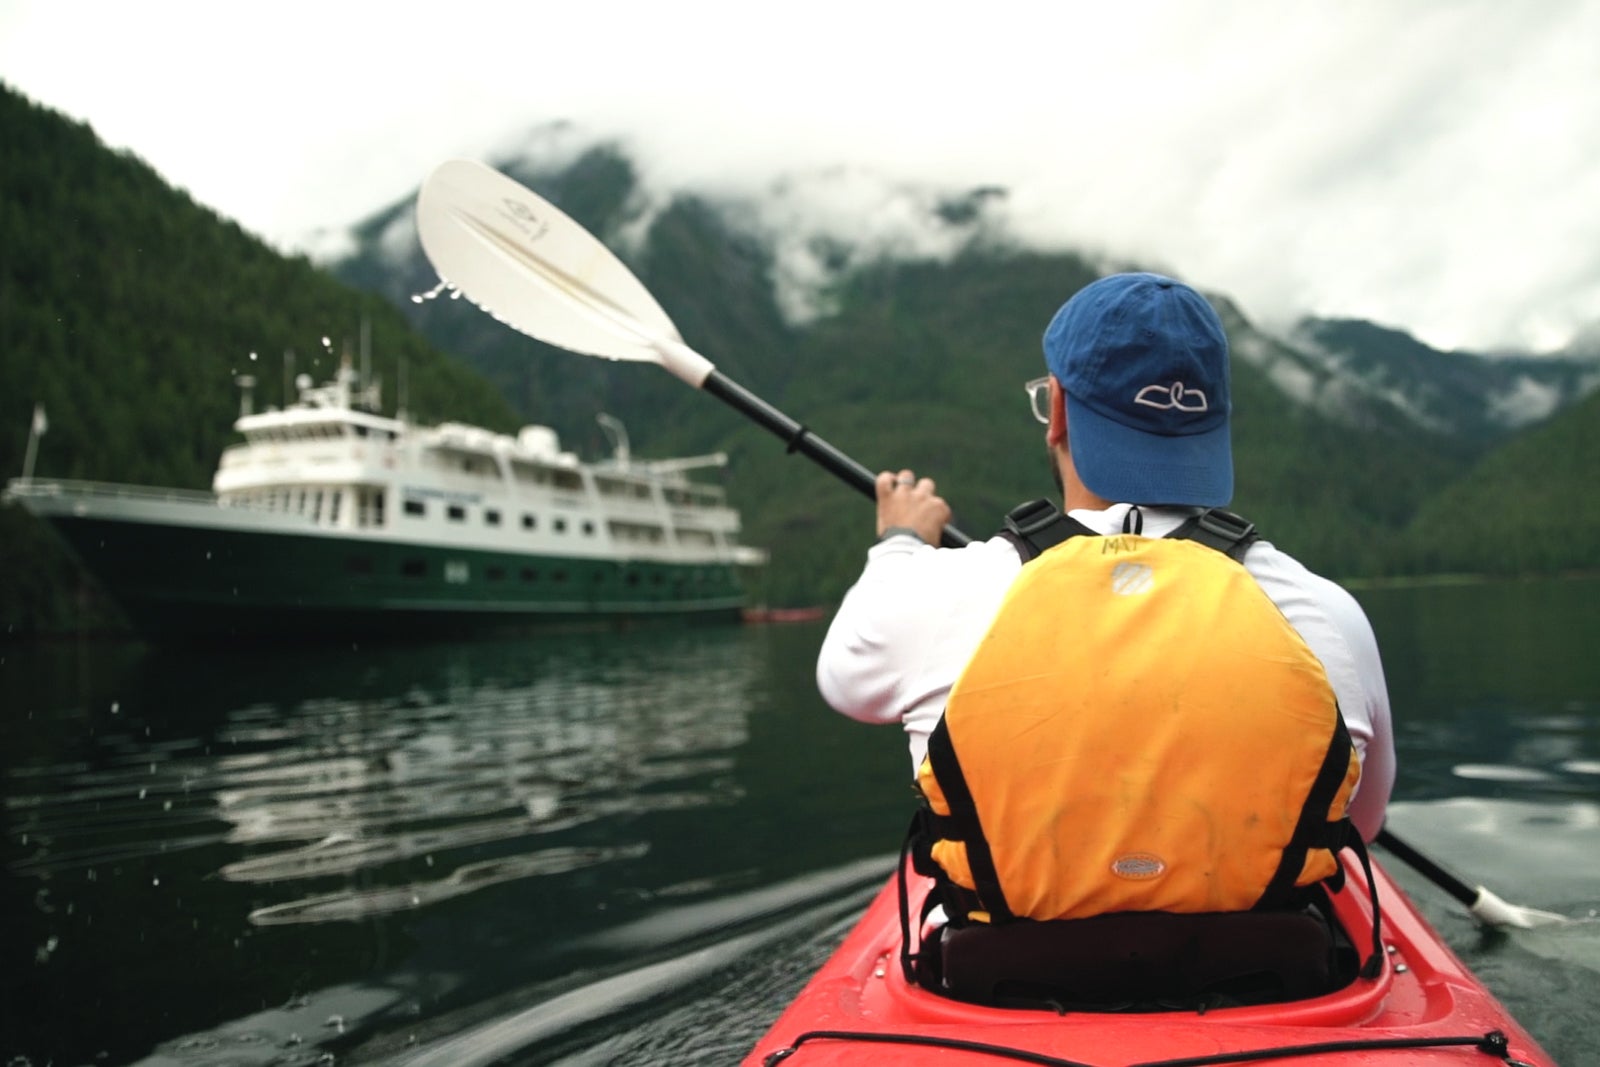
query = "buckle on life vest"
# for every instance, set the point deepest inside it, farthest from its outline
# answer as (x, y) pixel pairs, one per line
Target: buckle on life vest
(1226, 524)
(1230, 534)
(1037, 525)
(1031, 517)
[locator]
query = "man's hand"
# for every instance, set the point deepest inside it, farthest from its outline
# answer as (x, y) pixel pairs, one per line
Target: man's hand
(909, 501)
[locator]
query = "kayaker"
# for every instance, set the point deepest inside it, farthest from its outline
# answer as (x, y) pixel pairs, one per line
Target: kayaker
(1136, 406)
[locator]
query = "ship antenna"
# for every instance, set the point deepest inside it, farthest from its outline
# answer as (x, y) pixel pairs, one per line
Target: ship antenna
(246, 383)
(36, 430)
(400, 406)
(366, 350)
(618, 434)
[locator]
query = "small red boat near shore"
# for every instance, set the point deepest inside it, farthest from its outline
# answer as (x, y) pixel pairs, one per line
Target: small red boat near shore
(758, 616)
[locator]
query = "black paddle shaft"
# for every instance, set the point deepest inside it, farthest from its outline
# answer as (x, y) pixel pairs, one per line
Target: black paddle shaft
(1428, 868)
(802, 440)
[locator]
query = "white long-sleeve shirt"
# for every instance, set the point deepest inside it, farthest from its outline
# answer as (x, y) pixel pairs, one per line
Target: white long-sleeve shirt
(907, 628)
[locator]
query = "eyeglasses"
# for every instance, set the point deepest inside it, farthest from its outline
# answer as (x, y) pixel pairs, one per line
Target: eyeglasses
(1038, 392)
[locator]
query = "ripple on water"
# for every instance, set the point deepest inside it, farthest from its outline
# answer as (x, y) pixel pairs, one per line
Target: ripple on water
(1494, 772)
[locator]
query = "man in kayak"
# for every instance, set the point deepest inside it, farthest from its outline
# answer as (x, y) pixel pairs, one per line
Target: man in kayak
(1136, 407)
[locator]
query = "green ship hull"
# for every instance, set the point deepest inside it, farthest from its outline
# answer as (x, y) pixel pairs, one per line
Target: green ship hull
(178, 582)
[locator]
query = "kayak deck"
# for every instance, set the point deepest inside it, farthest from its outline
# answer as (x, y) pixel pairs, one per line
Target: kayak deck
(1424, 993)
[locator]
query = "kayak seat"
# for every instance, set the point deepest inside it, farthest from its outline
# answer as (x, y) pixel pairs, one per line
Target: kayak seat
(1142, 961)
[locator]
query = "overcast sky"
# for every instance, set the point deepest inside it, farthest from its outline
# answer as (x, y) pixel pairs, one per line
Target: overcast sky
(1433, 166)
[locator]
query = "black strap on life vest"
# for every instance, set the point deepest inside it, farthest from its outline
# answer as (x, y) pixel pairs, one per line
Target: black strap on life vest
(964, 826)
(1313, 830)
(1230, 534)
(1038, 525)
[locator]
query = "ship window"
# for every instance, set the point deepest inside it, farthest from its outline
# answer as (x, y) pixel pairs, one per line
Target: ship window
(559, 576)
(529, 574)
(561, 526)
(457, 513)
(494, 574)
(361, 431)
(530, 475)
(414, 568)
(588, 529)
(491, 517)
(529, 522)
(633, 577)
(358, 565)
(369, 504)
(416, 507)
(333, 508)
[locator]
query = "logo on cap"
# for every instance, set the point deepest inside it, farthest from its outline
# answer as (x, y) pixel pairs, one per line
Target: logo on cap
(1172, 397)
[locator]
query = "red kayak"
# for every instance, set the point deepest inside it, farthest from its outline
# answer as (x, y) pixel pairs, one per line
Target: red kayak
(1423, 1008)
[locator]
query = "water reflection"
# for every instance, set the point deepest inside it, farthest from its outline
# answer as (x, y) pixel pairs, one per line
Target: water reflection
(398, 784)
(1495, 687)
(159, 808)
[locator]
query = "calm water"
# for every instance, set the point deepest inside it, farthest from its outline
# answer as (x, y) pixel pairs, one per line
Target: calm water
(621, 847)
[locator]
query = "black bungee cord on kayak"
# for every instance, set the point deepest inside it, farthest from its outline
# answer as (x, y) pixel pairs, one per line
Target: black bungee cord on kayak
(1494, 1043)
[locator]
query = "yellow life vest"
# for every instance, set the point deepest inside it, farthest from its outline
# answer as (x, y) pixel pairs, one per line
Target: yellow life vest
(1141, 729)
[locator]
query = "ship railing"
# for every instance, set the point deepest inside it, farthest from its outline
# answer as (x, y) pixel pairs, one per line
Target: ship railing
(664, 468)
(62, 487)
(59, 488)
(703, 516)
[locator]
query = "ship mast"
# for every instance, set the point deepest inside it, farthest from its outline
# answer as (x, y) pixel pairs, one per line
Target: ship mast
(619, 437)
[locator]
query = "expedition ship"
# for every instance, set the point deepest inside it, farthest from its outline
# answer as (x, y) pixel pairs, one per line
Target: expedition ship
(331, 519)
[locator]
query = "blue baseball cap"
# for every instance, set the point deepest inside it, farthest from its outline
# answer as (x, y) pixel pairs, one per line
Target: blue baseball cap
(1143, 361)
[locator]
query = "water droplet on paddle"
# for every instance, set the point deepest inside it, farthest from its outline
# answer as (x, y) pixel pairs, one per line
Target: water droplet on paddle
(431, 294)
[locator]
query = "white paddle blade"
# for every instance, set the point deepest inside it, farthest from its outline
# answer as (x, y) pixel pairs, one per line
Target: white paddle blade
(528, 264)
(1492, 911)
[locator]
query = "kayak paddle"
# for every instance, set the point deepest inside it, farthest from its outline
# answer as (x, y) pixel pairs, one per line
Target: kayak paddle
(1483, 904)
(528, 264)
